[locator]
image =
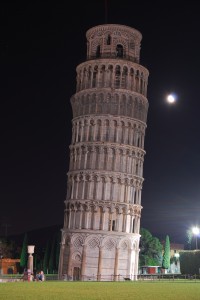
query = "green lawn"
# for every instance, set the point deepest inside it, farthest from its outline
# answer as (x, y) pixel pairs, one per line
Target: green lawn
(100, 290)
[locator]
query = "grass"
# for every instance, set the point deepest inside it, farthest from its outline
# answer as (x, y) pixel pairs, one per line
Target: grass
(100, 290)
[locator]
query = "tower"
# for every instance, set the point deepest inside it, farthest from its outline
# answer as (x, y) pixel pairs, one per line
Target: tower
(100, 236)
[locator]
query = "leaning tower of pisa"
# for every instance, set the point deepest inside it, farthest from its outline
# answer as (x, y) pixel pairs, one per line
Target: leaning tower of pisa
(100, 236)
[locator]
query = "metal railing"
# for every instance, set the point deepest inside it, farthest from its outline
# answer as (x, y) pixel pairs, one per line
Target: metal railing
(169, 277)
(116, 278)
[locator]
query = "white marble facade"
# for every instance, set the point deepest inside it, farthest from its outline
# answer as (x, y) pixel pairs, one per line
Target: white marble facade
(100, 236)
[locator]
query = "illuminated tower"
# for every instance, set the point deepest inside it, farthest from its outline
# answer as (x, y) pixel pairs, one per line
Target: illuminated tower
(100, 236)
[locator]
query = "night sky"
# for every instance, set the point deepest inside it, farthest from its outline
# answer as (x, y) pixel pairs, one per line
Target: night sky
(41, 45)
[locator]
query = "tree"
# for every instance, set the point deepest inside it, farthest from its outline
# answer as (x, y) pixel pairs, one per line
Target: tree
(58, 249)
(35, 262)
(52, 258)
(46, 258)
(7, 248)
(150, 249)
(189, 238)
(166, 254)
(24, 254)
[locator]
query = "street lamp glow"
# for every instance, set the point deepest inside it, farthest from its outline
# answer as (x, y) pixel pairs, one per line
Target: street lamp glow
(196, 231)
(177, 255)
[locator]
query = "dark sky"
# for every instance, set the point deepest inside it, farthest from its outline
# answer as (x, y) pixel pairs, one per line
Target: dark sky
(41, 45)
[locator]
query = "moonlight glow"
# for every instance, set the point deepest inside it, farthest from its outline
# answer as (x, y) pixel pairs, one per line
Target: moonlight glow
(171, 98)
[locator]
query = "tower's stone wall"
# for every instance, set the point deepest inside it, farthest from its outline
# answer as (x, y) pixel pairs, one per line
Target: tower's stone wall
(100, 236)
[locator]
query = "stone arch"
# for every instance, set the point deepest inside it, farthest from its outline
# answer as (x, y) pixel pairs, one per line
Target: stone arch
(95, 43)
(98, 51)
(107, 217)
(91, 213)
(102, 74)
(120, 45)
(108, 39)
(89, 76)
(134, 245)
(65, 239)
(115, 131)
(120, 41)
(84, 79)
(106, 129)
(109, 243)
(132, 74)
(100, 103)
(76, 256)
(94, 79)
(93, 241)
(117, 76)
(93, 103)
(124, 244)
(137, 81)
(109, 253)
(109, 74)
(119, 51)
(124, 77)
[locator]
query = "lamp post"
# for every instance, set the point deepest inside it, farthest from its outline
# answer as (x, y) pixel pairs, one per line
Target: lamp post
(195, 231)
(30, 258)
(177, 262)
(177, 255)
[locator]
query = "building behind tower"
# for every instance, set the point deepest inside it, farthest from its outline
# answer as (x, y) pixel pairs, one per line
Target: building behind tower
(100, 236)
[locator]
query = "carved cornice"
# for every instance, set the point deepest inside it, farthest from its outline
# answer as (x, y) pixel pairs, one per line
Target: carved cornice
(102, 29)
(111, 176)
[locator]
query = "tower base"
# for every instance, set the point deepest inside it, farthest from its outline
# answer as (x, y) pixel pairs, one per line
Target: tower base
(98, 256)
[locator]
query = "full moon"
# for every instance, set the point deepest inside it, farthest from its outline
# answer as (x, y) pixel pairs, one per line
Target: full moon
(171, 98)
